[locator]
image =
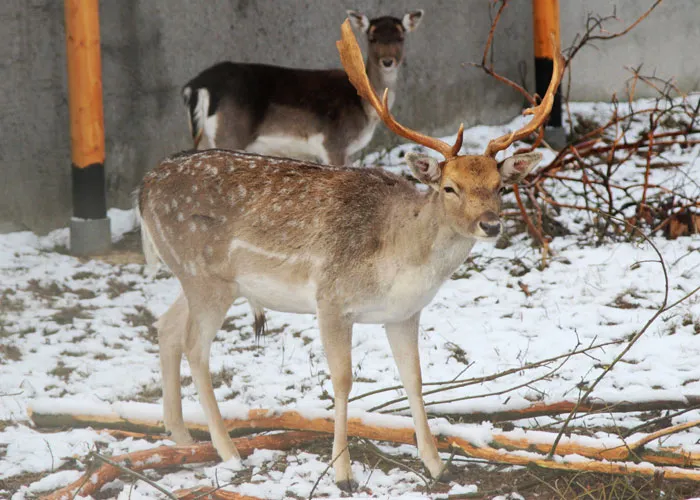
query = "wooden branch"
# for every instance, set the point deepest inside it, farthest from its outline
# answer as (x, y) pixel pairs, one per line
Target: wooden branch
(536, 233)
(624, 452)
(155, 428)
(557, 408)
(207, 493)
(605, 467)
(169, 456)
(400, 430)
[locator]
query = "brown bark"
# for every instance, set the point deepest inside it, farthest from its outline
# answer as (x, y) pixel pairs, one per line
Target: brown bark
(259, 420)
(169, 456)
(205, 493)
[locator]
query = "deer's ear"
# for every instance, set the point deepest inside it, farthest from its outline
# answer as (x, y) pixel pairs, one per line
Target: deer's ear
(515, 169)
(424, 168)
(411, 20)
(359, 21)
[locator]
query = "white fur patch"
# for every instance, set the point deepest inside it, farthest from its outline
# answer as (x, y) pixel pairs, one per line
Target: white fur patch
(272, 290)
(363, 139)
(210, 126)
(201, 110)
(278, 294)
(237, 244)
(310, 149)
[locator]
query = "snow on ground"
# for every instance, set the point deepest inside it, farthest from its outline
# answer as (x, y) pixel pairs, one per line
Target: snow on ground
(81, 329)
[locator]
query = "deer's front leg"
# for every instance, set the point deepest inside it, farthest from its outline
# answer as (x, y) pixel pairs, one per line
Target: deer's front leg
(336, 335)
(403, 338)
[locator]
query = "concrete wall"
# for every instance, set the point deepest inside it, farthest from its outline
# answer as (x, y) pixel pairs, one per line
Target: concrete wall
(665, 44)
(151, 47)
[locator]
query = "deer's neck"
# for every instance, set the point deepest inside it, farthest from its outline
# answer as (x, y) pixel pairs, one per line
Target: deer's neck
(380, 80)
(422, 238)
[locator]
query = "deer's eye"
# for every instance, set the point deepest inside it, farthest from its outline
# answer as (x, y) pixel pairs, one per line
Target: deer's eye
(449, 189)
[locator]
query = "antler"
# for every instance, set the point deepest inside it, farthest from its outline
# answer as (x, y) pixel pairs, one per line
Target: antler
(540, 112)
(351, 58)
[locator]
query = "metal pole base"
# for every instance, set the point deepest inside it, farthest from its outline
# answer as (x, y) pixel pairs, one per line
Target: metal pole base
(555, 137)
(90, 236)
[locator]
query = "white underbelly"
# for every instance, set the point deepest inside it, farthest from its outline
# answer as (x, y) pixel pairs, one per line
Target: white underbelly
(399, 304)
(300, 148)
(362, 139)
(278, 295)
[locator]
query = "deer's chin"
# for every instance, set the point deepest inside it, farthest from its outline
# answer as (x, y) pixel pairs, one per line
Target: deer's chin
(487, 239)
(479, 235)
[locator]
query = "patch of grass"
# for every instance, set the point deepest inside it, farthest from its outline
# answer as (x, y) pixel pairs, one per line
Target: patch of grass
(26, 331)
(584, 125)
(459, 354)
(10, 353)
(78, 338)
(115, 288)
(149, 393)
(72, 354)
(4, 332)
(100, 356)
(84, 293)
(62, 371)
(9, 302)
(49, 290)
(63, 250)
(66, 315)
(222, 376)
(306, 340)
(144, 317)
(622, 302)
(230, 325)
(85, 275)
(15, 483)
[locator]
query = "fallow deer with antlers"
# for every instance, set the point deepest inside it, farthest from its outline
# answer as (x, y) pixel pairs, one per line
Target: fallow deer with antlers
(297, 113)
(349, 245)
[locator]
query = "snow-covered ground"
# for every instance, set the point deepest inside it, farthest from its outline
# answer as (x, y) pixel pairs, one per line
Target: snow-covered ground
(79, 329)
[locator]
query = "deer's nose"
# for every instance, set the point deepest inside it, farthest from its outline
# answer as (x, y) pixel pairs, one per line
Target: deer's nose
(388, 62)
(491, 228)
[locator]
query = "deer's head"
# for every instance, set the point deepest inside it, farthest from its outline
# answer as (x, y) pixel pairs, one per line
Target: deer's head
(468, 187)
(385, 36)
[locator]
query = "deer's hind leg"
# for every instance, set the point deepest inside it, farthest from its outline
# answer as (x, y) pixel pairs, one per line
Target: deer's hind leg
(207, 311)
(171, 339)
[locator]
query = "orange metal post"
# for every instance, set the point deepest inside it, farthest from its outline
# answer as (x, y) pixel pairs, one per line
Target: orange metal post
(84, 82)
(546, 22)
(86, 127)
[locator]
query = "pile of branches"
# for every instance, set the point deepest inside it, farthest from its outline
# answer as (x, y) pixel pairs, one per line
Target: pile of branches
(591, 173)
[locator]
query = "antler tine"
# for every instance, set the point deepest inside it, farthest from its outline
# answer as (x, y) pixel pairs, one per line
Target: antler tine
(539, 112)
(351, 59)
(458, 142)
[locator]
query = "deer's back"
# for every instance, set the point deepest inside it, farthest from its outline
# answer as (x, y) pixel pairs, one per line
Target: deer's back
(207, 204)
(257, 87)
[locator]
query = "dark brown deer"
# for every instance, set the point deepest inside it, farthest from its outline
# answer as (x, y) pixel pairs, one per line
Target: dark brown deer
(311, 115)
(349, 245)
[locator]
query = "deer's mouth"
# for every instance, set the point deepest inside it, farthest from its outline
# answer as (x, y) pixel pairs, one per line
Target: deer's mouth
(388, 63)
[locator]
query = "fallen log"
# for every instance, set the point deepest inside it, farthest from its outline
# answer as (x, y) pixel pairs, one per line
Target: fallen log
(147, 418)
(206, 493)
(168, 456)
(564, 407)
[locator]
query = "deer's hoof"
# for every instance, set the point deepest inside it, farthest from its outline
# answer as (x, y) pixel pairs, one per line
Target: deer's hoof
(347, 485)
(447, 474)
(181, 438)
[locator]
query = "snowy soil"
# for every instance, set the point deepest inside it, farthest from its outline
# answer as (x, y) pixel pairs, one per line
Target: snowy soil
(80, 329)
